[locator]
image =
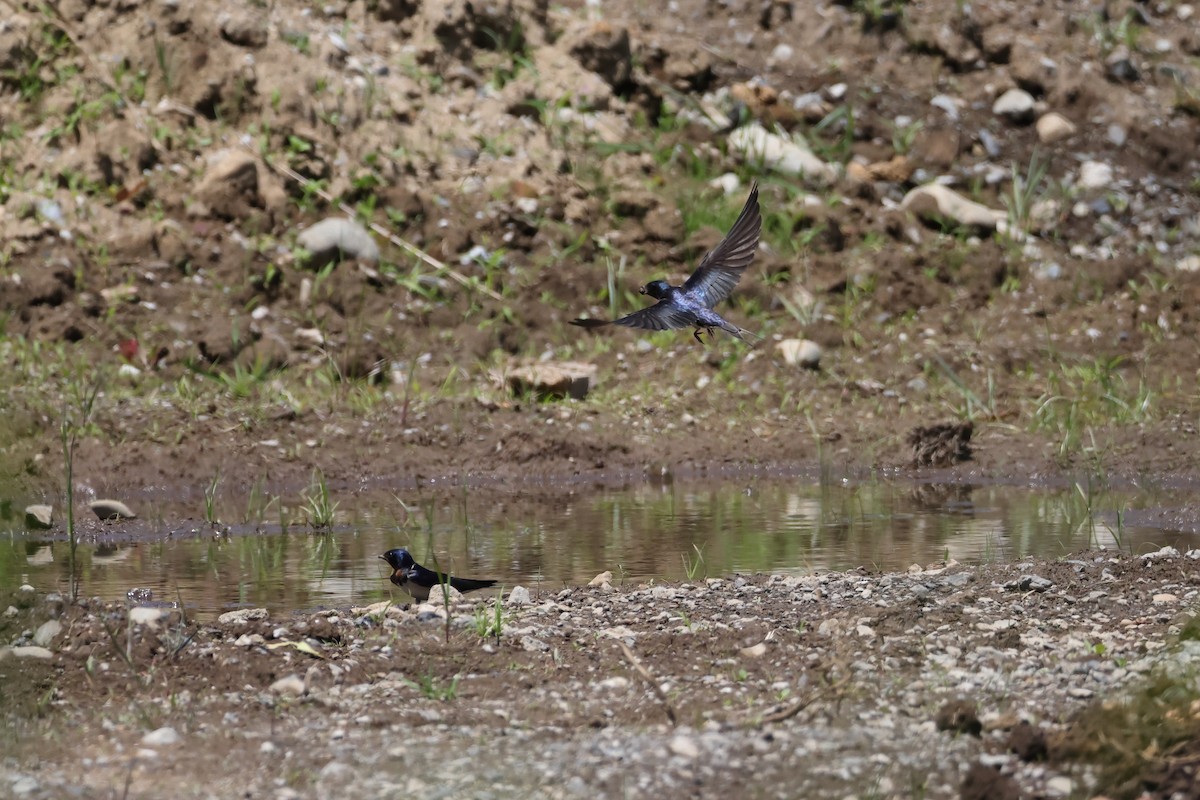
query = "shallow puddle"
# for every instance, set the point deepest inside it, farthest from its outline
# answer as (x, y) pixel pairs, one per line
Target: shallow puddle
(677, 531)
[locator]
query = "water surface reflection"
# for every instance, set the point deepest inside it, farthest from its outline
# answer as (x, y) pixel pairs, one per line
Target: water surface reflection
(670, 532)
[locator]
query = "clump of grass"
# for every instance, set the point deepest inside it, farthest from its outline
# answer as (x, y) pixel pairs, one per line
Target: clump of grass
(432, 689)
(76, 417)
(692, 566)
(318, 504)
(1143, 739)
(490, 621)
(210, 499)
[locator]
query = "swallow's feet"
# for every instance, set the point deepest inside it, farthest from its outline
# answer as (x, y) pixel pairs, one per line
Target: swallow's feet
(696, 333)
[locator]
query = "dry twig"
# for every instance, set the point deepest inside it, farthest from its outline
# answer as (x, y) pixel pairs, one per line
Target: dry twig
(648, 678)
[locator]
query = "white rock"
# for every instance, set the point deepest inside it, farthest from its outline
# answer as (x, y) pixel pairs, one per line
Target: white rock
(519, 596)
(292, 685)
(685, 746)
(800, 353)
(242, 616)
(1166, 598)
(553, 379)
(111, 510)
(335, 235)
(1190, 263)
(25, 652)
(46, 632)
(933, 200)
(1060, 786)
(148, 615)
(1054, 127)
(728, 183)
(1016, 104)
(947, 104)
(782, 52)
(249, 640)
(163, 737)
(1095, 175)
(26, 784)
(614, 684)
(787, 156)
(39, 516)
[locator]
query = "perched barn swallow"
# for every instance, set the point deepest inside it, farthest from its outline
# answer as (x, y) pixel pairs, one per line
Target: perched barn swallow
(692, 304)
(417, 580)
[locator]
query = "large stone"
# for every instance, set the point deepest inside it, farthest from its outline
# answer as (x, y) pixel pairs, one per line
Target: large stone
(1016, 105)
(1054, 127)
(755, 143)
(46, 632)
(553, 379)
(800, 353)
(245, 27)
(111, 510)
(162, 737)
(242, 616)
(39, 516)
(933, 200)
(336, 238)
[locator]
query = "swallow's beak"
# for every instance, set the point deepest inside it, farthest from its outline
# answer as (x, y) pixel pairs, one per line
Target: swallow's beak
(641, 290)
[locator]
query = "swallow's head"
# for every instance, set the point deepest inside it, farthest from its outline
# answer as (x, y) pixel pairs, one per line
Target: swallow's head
(656, 289)
(398, 559)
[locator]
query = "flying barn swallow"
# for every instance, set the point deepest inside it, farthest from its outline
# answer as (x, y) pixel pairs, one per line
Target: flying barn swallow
(692, 303)
(418, 581)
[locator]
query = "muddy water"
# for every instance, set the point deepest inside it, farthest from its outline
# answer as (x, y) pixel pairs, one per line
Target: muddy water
(263, 553)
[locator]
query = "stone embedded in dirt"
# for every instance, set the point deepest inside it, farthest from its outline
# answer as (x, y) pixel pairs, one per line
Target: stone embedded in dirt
(245, 27)
(941, 445)
(800, 353)
(162, 737)
(1054, 127)
(1016, 105)
(602, 48)
(1029, 583)
(46, 632)
(553, 379)
(242, 616)
(932, 201)
(249, 640)
(959, 716)
(291, 685)
(519, 596)
(684, 746)
(337, 238)
(229, 188)
(601, 579)
(1094, 175)
(111, 510)
(756, 145)
(39, 516)
(1120, 67)
(29, 651)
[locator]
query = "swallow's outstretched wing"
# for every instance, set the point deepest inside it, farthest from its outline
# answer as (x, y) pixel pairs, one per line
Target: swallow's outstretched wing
(661, 316)
(722, 267)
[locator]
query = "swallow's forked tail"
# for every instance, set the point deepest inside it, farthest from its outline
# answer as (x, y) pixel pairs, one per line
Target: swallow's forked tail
(749, 337)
